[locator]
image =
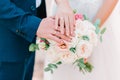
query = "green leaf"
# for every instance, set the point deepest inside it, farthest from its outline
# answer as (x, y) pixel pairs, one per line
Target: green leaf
(97, 23)
(47, 46)
(97, 30)
(37, 47)
(33, 47)
(59, 63)
(74, 11)
(51, 67)
(85, 38)
(103, 31)
(89, 67)
(82, 65)
(47, 69)
(43, 39)
(85, 17)
(81, 60)
(54, 66)
(73, 49)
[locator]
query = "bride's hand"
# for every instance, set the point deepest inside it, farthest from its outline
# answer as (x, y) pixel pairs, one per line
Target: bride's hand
(65, 20)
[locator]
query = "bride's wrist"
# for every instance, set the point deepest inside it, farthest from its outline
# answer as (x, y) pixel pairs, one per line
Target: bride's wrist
(62, 2)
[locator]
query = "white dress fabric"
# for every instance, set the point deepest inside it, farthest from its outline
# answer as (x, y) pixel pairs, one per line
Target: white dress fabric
(106, 56)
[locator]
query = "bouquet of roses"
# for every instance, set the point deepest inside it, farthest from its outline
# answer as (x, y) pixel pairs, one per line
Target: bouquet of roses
(77, 51)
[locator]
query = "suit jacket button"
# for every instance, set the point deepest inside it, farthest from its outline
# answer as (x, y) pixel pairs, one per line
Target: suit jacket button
(33, 8)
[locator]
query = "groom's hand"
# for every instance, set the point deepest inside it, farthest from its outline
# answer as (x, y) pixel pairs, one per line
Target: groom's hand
(47, 30)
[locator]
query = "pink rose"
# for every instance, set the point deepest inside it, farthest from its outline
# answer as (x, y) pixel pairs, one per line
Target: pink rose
(79, 16)
(41, 40)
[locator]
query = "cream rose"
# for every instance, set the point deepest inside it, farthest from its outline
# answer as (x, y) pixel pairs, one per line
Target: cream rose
(84, 49)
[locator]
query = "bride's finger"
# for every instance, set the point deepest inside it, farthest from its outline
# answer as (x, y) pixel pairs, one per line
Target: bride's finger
(59, 35)
(56, 39)
(74, 20)
(56, 22)
(71, 19)
(67, 26)
(62, 29)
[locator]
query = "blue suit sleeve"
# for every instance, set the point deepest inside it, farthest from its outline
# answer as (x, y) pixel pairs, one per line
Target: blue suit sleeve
(18, 21)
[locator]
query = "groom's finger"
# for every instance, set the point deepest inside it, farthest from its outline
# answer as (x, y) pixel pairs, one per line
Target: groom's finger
(56, 39)
(64, 37)
(53, 17)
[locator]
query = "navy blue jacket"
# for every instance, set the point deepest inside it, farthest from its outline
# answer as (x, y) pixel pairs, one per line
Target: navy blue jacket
(18, 26)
